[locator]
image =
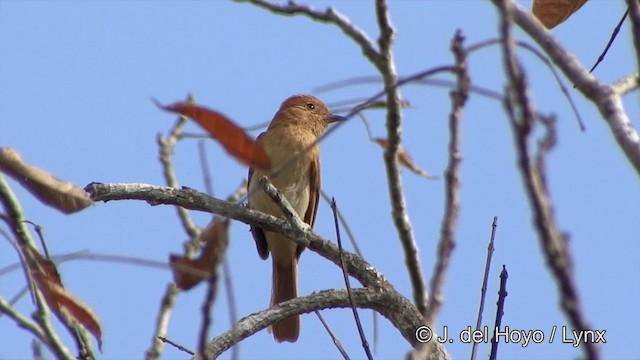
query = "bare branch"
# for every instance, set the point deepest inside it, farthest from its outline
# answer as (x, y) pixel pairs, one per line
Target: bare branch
(604, 97)
(394, 137)
(634, 12)
(330, 16)
(194, 200)
(519, 107)
(162, 322)
(390, 304)
(21, 320)
(627, 84)
(452, 190)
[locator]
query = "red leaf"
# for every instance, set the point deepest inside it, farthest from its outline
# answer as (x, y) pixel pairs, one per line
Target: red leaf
(234, 140)
(188, 273)
(69, 309)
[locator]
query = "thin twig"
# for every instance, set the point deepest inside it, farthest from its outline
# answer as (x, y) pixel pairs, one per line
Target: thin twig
(21, 320)
(345, 224)
(177, 346)
(354, 309)
(38, 230)
(43, 318)
(502, 295)
(485, 280)
(209, 298)
(162, 321)
(545, 60)
(616, 30)
(166, 146)
(333, 336)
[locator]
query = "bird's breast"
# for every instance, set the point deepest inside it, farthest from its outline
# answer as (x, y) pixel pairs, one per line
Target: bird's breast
(286, 149)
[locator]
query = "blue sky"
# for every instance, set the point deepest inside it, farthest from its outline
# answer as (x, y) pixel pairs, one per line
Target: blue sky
(76, 80)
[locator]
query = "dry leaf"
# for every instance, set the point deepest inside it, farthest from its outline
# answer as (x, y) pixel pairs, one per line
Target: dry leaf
(62, 195)
(234, 140)
(188, 273)
(405, 160)
(69, 309)
(553, 12)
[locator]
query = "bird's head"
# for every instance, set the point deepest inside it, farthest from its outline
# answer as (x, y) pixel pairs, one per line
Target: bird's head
(306, 111)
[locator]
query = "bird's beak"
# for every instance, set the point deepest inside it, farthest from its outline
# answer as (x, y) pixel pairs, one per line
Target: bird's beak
(336, 118)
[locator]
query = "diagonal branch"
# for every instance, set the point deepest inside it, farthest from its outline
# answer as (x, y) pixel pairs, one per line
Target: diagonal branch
(634, 16)
(603, 96)
(195, 200)
(331, 16)
(519, 107)
(627, 84)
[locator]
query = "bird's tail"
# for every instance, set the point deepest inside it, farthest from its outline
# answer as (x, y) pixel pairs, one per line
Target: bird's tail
(285, 287)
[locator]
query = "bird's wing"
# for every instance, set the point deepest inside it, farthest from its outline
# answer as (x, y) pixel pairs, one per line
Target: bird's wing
(257, 232)
(314, 195)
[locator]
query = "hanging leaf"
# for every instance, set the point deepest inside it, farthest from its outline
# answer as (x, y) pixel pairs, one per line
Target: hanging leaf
(69, 309)
(188, 273)
(61, 195)
(405, 160)
(554, 12)
(234, 140)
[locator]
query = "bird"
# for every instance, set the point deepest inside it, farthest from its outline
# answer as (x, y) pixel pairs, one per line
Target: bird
(289, 141)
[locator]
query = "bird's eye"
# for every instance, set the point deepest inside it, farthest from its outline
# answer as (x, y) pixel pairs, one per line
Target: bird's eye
(310, 106)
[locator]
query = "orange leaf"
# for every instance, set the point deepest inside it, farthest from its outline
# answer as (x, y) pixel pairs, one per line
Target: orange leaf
(405, 160)
(234, 140)
(554, 12)
(188, 273)
(69, 309)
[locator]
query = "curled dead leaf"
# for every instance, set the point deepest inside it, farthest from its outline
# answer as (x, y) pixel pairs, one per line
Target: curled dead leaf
(553, 12)
(188, 273)
(59, 194)
(405, 160)
(234, 140)
(69, 309)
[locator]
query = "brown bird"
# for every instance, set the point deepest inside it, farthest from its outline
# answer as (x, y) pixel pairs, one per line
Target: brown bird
(299, 122)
